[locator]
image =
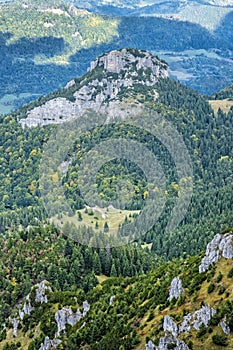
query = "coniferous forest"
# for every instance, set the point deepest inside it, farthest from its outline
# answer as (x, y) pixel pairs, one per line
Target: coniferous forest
(65, 282)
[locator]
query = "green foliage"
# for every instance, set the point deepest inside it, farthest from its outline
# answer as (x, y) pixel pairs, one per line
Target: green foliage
(226, 93)
(32, 255)
(230, 273)
(220, 340)
(211, 288)
(202, 331)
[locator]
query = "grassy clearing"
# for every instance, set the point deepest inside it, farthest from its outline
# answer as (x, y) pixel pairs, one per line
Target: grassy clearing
(225, 105)
(101, 278)
(96, 218)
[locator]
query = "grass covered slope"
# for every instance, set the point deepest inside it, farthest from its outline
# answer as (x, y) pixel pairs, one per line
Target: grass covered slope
(223, 99)
(206, 137)
(127, 313)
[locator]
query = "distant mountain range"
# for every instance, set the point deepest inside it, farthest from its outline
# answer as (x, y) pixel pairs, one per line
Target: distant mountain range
(50, 42)
(152, 7)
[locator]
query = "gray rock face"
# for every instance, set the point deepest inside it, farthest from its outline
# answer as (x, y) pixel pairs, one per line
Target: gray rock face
(40, 297)
(131, 68)
(27, 308)
(195, 320)
(224, 326)
(50, 344)
(150, 345)
(176, 289)
(112, 300)
(15, 323)
(164, 342)
(118, 60)
(172, 330)
(41, 289)
(220, 246)
(170, 326)
(67, 316)
(86, 308)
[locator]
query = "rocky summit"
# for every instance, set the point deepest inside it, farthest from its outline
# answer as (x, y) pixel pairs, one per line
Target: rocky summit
(100, 89)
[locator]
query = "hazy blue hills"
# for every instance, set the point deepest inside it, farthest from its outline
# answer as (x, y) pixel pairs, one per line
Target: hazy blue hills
(45, 47)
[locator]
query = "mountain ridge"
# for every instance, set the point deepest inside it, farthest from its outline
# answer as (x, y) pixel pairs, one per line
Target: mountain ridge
(177, 306)
(98, 93)
(57, 43)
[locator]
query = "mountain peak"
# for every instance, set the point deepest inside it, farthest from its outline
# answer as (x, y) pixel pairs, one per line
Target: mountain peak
(130, 59)
(111, 76)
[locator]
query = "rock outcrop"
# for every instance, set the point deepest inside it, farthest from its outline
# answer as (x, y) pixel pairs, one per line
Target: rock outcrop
(40, 297)
(166, 342)
(15, 324)
(220, 246)
(223, 324)
(172, 330)
(170, 326)
(27, 308)
(195, 320)
(122, 60)
(50, 344)
(112, 300)
(41, 289)
(117, 71)
(86, 308)
(150, 345)
(67, 316)
(176, 289)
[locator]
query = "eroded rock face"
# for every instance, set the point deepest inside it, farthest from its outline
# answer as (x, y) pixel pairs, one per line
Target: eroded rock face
(112, 300)
(223, 324)
(67, 316)
(41, 289)
(118, 60)
(50, 344)
(170, 326)
(195, 320)
(15, 323)
(176, 289)
(86, 308)
(172, 330)
(131, 67)
(150, 345)
(41, 297)
(220, 246)
(166, 341)
(27, 308)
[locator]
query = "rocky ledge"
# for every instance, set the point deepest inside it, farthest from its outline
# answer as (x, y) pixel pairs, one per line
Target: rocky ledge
(220, 246)
(110, 76)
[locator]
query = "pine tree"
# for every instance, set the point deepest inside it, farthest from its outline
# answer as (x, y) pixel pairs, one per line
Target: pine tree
(106, 228)
(96, 264)
(113, 272)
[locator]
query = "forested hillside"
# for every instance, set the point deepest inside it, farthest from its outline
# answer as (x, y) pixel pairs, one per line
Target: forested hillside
(114, 176)
(207, 138)
(226, 93)
(32, 255)
(183, 304)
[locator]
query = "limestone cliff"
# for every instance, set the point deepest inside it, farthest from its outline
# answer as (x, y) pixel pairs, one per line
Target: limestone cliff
(101, 88)
(220, 246)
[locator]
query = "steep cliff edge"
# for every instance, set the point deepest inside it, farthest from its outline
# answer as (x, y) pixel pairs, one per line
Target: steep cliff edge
(101, 88)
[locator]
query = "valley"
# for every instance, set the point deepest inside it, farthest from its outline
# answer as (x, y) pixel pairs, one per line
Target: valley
(116, 158)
